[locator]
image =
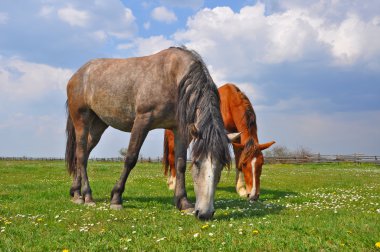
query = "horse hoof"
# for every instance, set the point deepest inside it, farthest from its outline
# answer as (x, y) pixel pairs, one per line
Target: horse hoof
(116, 206)
(78, 201)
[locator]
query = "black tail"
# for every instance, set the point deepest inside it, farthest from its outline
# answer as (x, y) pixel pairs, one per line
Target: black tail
(70, 157)
(165, 158)
(198, 101)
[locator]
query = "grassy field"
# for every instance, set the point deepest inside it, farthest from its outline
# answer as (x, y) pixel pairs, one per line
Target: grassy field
(313, 207)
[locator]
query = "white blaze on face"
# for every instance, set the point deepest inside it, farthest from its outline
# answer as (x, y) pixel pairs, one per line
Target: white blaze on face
(209, 177)
(253, 163)
(204, 185)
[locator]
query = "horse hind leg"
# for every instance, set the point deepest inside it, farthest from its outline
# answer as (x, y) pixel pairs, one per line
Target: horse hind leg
(138, 134)
(88, 130)
(81, 126)
(96, 130)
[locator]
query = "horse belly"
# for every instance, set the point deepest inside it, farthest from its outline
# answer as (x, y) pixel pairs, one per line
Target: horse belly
(120, 124)
(115, 113)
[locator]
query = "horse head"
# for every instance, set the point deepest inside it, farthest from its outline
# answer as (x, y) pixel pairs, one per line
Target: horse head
(251, 163)
(206, 172)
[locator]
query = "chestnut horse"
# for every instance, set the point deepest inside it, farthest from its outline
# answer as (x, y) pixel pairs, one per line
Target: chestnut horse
(238, 116)
(171, 89)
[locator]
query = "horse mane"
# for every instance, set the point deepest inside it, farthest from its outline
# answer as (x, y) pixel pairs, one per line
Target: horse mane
(250, 148)
(199, 102)
(249, 114)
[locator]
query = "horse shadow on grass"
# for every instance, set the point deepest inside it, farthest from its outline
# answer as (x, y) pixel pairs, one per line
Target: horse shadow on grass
(238, 207)
(227, 208)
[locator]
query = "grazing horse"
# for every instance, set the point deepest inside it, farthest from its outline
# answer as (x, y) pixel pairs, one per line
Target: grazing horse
(238, 116)
(171, 89)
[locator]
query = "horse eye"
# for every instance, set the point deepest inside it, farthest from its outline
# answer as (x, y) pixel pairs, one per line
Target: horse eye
(196, 163)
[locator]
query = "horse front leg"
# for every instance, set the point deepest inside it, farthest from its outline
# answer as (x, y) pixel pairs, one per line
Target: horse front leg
(239, 179)
(180, 195)
(138, 134)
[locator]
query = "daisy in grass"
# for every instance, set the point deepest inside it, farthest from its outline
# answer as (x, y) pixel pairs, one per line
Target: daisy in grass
(205, 226)
(377, 245)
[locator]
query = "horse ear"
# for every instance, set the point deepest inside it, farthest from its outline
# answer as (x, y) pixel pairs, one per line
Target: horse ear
(194, 131)
(266, 145)
(238, 146)
(233, 136)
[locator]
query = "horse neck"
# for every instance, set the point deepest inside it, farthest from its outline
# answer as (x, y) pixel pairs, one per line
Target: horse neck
(247, 125)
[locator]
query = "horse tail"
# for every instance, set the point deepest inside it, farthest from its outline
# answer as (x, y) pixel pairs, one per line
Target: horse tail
(199, 101)
(165, 158)
(70, 157)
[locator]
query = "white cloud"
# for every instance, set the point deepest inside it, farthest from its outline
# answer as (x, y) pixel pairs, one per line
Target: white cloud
(353, 39)
(146, 25)
(73, 16)
(148, 46)
(42, 135)
(100, 35)
(162, 14)
(254, 38)
(331, 133)
(21, 80)
(129, 18)
(46, 11)
(4, 18)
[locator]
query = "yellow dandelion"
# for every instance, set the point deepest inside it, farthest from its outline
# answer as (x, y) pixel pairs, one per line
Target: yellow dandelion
(65, 250)
(39, 219)
(377, 245)
(255, 232)
(205, 226)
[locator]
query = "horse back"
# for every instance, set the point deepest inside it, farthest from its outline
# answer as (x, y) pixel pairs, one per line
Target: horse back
(119, 89)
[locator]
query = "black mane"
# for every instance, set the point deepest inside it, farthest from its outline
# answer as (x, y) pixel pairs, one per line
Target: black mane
(199, 102)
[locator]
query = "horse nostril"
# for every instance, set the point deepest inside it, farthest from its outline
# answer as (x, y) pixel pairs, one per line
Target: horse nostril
(196, 213)
(204, 216)
(254, 198)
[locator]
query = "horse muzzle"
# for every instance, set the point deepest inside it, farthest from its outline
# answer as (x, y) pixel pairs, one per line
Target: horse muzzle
(204, 216)
(253, 197)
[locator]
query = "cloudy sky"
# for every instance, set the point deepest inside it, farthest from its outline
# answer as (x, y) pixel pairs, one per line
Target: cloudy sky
(310, 68)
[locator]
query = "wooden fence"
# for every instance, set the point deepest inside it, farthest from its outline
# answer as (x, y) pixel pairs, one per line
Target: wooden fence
(318, 158)
(315, 158)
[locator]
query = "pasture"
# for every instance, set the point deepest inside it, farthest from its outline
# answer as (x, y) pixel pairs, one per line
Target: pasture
(313, 207)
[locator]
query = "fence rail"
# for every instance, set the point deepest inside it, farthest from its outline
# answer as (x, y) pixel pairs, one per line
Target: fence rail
(318, 158)
(315, 158)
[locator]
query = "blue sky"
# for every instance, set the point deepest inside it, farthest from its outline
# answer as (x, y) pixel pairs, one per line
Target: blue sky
(310, 68)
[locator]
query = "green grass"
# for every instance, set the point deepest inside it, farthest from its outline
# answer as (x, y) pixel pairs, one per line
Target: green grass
(311, 207)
